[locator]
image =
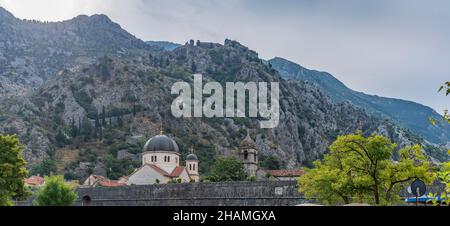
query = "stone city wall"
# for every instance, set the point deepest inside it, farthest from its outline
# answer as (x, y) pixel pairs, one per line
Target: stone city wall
(260, 193)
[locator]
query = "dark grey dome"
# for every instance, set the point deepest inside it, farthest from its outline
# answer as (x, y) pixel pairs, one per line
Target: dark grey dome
(191, 157)
(161, 143)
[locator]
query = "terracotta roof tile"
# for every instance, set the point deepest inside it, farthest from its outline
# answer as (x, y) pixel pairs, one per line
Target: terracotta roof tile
(98, 177)
(177, 171)
(285, 173)
(34, 180)
(110, 183)
(159, 170)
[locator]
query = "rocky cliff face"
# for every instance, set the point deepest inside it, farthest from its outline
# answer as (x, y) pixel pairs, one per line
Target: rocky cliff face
(94, 105)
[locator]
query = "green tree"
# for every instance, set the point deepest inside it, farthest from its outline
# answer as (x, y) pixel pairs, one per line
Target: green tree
(97, 127)
(47, 167)
(117, 168)
(193, 67)
(73, 129)
(12, 170)
(446, 118)
(55, 192)
(61, 139)
(103, 116)
(360, 169)
(227, 169)
(119, 121)
(444, 178)
(271, 163)
(100, 132)
(86, 129)
(446, 87)
(444, 169)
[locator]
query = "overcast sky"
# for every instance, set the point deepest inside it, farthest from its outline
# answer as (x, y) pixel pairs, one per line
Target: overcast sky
(393, 48)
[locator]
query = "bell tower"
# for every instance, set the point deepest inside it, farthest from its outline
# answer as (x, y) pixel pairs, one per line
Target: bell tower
(192, 166)
(248, 154)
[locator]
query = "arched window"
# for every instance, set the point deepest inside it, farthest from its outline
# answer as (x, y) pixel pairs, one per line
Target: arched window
(190, 167)
(193, 167)
(168, 158)
(245, 155)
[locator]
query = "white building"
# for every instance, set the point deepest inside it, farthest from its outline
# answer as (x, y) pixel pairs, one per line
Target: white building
(161, 164)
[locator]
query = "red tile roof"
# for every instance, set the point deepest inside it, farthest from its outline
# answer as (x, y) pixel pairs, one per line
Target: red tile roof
(110, 183)
(34, 180)
(98, 177)
(159, 170)
(177, 171)
(285, 173)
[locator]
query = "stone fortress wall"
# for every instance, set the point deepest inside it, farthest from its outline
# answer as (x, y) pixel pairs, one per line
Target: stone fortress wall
(258, 193)
(232, 193)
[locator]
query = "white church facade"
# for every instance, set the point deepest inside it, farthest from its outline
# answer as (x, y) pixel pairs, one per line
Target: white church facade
(161, 164)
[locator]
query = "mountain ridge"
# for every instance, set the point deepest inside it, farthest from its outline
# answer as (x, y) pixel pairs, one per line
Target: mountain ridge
(165, 45)
(32, 51)
(407, 113)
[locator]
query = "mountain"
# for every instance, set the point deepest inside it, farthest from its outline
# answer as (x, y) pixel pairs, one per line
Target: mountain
(409, 114)
(32, 51)
(168, 46)
(93, 93)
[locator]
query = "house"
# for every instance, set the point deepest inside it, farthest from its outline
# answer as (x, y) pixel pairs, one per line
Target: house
(34, 181)
(96, 181)
(123, 179)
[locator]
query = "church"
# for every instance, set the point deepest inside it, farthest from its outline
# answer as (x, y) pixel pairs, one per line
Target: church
(161, 164)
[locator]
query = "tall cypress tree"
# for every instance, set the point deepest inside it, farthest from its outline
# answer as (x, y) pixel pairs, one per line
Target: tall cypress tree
(193, 67)
(97, 125)
(73, 128)
(100, 133)
(87, 129)
(119, 121)
(79, 126)
(103, 116)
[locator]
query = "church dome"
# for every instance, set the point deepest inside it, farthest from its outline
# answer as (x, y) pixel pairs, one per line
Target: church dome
(192, 157)
(161, 143)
